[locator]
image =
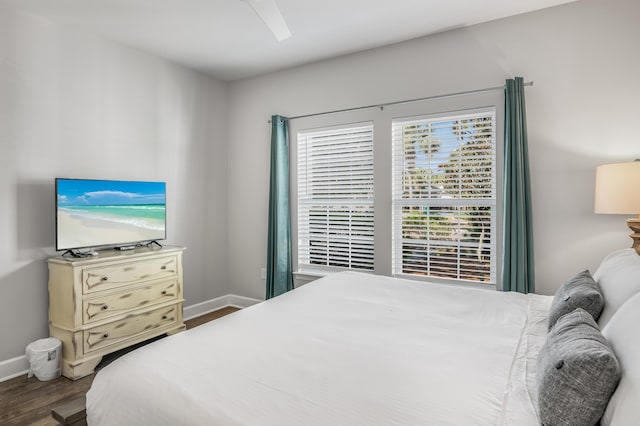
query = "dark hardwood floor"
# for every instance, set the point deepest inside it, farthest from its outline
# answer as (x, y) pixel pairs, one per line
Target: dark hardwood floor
(26, 401)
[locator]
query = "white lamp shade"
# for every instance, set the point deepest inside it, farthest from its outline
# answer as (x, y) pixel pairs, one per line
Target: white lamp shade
(618, 188)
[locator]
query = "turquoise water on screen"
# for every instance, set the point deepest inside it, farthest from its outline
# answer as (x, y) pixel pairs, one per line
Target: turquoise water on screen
(148, 216)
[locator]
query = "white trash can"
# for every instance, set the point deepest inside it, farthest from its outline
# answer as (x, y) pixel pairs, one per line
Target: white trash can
(44, 358)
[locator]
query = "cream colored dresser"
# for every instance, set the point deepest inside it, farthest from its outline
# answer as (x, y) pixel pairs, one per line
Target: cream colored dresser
(104, 303)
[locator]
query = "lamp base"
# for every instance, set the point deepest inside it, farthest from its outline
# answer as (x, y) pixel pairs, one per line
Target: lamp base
(634, 225)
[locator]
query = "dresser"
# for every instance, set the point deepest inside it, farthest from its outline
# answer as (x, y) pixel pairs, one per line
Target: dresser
(104, 303)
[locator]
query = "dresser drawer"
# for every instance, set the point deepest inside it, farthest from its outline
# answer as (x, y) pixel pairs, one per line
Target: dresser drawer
(108, 277)
(98, 308)
(130, 327)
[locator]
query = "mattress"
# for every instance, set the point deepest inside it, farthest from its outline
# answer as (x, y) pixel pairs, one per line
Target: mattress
(347, 349)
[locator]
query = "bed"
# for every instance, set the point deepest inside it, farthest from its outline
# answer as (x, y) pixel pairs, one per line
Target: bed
(347, 349)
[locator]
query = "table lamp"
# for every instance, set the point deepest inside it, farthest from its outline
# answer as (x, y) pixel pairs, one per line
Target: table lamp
(618, 192)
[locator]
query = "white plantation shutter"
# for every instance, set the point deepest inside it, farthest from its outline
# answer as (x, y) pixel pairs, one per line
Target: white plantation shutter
(335, 198)
(444, 196)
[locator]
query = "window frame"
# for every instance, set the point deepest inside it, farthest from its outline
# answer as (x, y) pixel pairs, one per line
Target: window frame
(399, 202)
(329, 203)
(382, 119)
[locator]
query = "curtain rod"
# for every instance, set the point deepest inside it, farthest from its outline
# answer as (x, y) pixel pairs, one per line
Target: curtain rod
(406, 101)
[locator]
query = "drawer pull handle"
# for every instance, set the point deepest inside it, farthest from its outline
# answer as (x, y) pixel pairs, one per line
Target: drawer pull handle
(164, 292)
(105, 307)
(164, 317)
(105, 335)
(104, 278)
(163, 267)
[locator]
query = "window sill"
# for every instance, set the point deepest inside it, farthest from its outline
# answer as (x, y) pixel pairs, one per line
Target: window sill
(311, 274)
(450, 282)
(305, 276)
(319, 273)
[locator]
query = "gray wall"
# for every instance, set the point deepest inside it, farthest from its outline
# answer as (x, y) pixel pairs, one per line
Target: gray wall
(582, 112)
(76, 105)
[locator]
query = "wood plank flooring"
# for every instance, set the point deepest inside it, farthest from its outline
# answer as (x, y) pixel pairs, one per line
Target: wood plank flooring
(26, 401)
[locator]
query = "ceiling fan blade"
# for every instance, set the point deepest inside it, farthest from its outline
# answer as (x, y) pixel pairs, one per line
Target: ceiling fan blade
(268, 11)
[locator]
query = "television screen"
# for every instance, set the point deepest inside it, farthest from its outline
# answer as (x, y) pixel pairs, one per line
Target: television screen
(93, 213)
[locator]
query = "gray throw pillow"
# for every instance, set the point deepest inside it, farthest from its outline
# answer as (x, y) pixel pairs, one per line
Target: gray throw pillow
(577, 372)
(580, 291)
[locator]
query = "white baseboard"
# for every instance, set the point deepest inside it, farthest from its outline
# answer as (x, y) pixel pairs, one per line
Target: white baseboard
(13, 367)
(242, 302)
(19, 365)
(207, 306)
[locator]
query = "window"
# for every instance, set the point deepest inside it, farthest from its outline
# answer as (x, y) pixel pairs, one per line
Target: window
(335, 198)
(444, 196)
(424, 173)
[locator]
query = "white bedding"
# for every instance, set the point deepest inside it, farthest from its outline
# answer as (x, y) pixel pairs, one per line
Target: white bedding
(348, 349)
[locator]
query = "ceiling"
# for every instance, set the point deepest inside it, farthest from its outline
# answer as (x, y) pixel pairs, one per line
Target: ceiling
(225, 38)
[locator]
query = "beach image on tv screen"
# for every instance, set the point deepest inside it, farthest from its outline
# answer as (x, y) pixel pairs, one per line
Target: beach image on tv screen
(95, 213)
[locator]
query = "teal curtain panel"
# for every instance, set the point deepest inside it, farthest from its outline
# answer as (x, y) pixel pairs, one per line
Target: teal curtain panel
(279, 274)
(517, 249)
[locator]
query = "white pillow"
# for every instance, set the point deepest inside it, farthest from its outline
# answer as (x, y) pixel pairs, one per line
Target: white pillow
(619, 278)
(623, 334)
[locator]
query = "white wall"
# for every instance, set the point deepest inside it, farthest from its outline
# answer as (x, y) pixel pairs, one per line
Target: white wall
(582, 112)
(76, 105)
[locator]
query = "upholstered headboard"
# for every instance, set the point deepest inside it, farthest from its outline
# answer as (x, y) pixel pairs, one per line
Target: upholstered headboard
(619, 279)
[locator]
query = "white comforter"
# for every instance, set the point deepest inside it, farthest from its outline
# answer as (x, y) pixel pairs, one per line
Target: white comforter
(349, 349)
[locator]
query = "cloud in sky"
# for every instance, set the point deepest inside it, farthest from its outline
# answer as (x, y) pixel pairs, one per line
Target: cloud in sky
(100, 194)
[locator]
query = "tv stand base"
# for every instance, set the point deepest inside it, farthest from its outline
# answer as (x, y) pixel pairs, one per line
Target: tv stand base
(79, 253)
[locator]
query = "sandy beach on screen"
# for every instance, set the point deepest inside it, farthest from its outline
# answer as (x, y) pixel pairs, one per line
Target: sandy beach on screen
(76, 231)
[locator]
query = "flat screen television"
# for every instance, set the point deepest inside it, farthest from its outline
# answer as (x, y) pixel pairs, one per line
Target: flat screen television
(99, 213)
